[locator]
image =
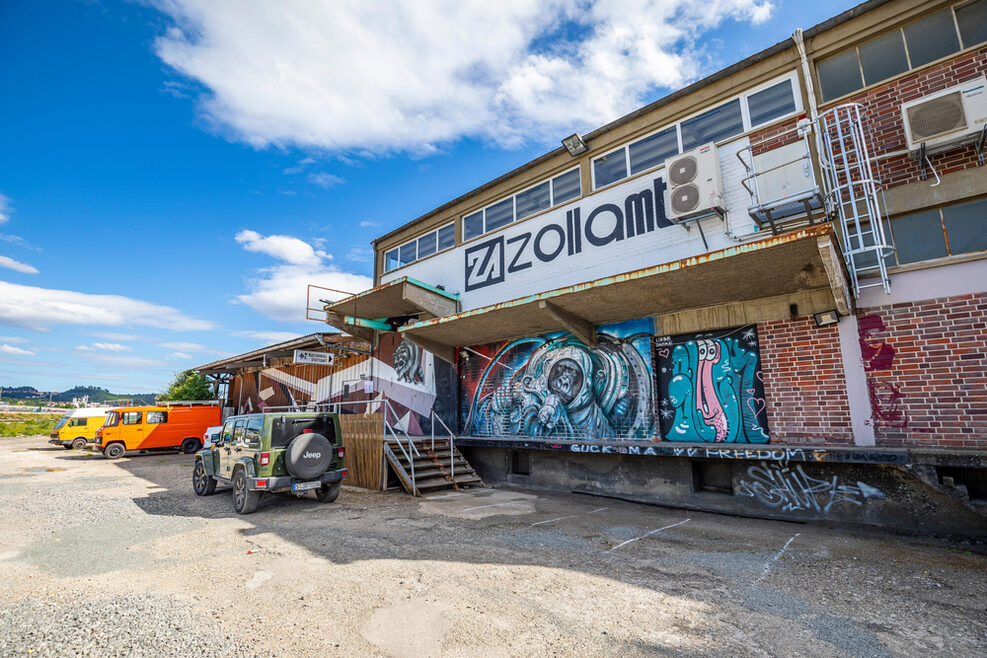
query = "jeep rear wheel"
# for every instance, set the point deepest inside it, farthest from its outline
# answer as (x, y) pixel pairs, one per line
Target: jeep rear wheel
(190, 446)
(202, 483)
(244, 500)
(328, 492)
(79, 443)
(114, 451)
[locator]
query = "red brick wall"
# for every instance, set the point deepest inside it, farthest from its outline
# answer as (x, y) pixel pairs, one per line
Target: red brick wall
(926, 368)
(804, 383)
(883, 115)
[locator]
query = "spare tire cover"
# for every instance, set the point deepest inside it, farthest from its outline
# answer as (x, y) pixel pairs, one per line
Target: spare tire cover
(308, 456)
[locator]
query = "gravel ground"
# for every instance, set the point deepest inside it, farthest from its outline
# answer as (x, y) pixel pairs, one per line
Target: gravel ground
(121, 559)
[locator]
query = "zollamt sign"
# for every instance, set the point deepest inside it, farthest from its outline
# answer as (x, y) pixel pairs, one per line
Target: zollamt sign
(639, 213)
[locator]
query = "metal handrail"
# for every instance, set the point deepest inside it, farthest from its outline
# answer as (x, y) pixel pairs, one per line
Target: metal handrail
(452, 443)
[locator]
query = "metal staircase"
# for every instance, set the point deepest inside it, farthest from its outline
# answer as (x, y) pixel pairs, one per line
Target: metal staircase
(853, 194)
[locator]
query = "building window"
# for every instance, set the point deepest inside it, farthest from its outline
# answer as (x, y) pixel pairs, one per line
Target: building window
(773, 102)
(949, 231)
(565, 187)
(447, 236)
(764, 104)
(883, 58)
(499, 214)
(652, 151)
(610, 168)
(916, 44)
(542, 196)
(931, 38)
(473, 225)
(419, 248)
(713, 126)
(972, 19)
(534, 200)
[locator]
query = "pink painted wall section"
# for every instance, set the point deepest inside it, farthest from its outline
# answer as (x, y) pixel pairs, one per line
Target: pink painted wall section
(926, 366)
(804, 383)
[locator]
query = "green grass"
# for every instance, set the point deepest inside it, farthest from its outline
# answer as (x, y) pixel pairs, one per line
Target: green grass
(18, 424)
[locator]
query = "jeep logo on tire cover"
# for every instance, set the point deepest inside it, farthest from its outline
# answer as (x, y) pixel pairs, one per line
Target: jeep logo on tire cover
(312, 455)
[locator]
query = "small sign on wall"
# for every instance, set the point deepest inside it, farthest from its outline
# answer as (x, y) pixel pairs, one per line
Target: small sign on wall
(314, 358)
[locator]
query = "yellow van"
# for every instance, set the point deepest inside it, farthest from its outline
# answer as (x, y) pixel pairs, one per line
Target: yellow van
(78, 427)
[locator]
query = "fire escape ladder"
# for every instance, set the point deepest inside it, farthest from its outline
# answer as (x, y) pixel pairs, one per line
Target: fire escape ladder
(853, 196)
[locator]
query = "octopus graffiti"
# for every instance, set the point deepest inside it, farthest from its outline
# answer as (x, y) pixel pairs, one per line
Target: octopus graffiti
(712, 387)
(557, 386)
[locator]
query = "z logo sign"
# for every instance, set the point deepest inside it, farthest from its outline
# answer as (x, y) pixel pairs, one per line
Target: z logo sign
(485, 264)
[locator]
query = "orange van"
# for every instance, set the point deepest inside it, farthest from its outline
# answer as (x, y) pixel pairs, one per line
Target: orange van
(167, 426)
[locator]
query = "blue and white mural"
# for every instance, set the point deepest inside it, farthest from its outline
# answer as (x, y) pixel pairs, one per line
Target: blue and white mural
(556, 386)
(711, 387)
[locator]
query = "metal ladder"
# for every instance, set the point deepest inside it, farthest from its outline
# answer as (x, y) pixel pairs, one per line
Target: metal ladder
(853, 192)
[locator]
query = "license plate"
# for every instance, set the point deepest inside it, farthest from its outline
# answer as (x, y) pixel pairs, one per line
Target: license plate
(304, 486)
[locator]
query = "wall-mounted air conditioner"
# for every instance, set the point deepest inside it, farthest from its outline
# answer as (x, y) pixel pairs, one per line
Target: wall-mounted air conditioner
(694, 187)
(946, 118)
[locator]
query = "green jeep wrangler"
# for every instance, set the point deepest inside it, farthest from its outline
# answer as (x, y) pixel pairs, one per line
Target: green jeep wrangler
(273, 452)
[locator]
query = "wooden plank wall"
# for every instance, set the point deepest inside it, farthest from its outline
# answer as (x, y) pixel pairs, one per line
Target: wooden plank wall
(363, 438)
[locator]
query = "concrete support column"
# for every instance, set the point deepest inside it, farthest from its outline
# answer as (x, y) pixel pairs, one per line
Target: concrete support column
(858, 397)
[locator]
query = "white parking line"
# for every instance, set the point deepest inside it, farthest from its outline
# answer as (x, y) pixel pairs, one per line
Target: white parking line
(770, 563)
(647, 535)
(512, 502)
(571, 516)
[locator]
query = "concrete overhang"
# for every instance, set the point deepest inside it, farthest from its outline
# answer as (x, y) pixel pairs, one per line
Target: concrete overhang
(746, 283)
(370, 311)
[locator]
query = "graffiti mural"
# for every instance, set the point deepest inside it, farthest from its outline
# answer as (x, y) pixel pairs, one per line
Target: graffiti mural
(886, 398)
(791, 489)
(557, 386)
(712, 387)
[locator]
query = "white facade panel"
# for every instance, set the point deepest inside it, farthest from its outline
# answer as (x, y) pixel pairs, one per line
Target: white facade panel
(582, 241)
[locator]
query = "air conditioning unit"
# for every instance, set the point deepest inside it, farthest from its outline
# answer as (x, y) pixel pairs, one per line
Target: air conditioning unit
(694, 188)
(947, 118)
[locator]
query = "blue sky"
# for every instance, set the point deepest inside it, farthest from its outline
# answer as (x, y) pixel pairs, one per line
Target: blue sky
(173, 173)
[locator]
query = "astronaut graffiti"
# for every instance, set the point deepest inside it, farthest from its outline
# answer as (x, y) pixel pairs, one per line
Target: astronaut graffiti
(711, 387)
(557, 386)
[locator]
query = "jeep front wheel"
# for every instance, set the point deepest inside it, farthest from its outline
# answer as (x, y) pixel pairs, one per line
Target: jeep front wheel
(202, 483)
(244, 500)
(328, 492)
(114, 451)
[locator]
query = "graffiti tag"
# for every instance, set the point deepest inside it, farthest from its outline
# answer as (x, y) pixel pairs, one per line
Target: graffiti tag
(790, 489)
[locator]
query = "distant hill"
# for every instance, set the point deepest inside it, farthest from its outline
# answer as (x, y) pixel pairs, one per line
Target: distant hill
(95, 393)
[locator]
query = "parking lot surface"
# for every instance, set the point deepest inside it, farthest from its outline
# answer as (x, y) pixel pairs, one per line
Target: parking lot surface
(121, 558)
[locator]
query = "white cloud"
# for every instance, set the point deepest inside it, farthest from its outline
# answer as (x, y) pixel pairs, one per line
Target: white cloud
(360, 254)
(104, 347)
(381, 76)
(17, 266)
(35, 308)
(123, 361)
(267, 336)
(282, 247)
(179, 355)
(14, 339)
(112, 335)
(16, 351)
(279, 292)
(366, 224)
(195, 348)
(5, 208)
(325, 181)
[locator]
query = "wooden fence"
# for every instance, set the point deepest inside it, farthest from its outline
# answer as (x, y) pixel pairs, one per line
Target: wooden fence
(363, 438)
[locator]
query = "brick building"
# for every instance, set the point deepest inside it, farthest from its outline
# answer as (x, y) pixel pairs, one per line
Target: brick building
(764, 293)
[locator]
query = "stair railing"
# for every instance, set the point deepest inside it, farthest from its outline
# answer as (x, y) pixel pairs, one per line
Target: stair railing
(452, 443)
